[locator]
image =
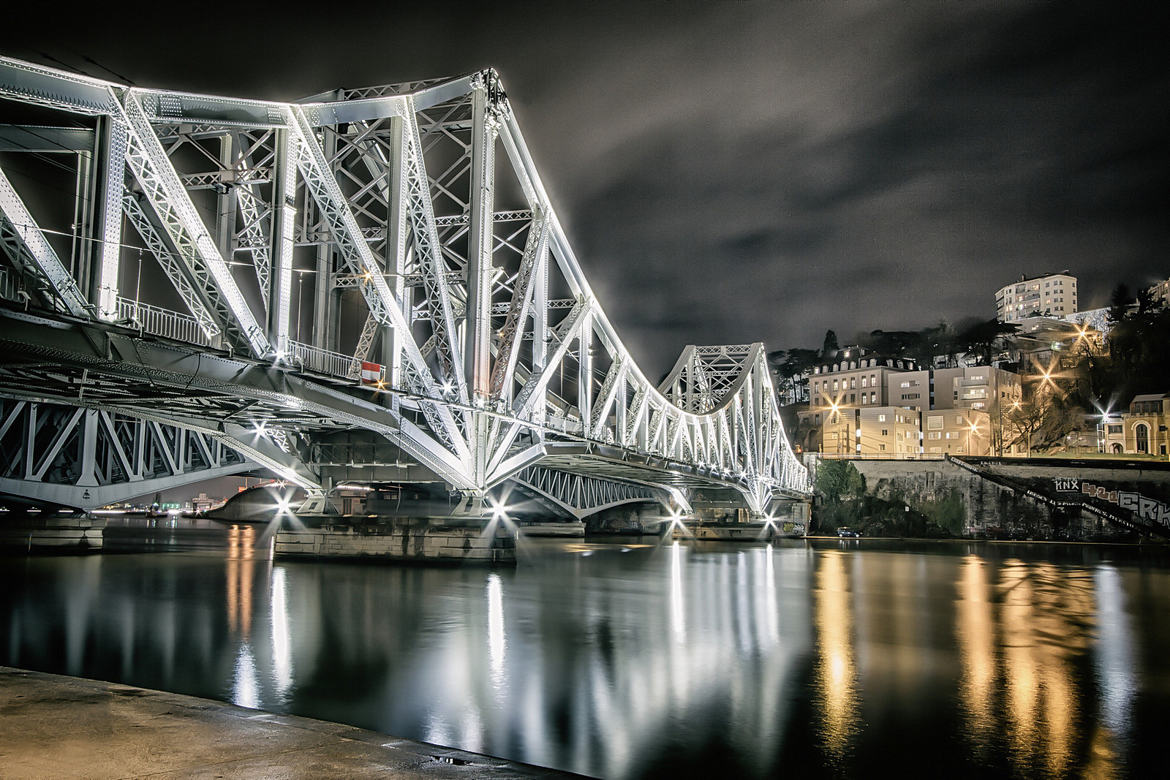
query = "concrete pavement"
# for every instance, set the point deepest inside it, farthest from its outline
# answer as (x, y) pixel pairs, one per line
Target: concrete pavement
(55, 726)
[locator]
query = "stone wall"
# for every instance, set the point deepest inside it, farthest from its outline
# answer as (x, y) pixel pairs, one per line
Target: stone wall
(929, 485)
(400, 543)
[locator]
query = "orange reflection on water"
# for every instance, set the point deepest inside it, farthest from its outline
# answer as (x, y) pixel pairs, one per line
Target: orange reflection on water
(836, 672)
(1048, 617)
(976, 635)
(239, 578)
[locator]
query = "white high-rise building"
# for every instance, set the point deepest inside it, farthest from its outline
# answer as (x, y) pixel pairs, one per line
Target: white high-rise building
(1049, 295)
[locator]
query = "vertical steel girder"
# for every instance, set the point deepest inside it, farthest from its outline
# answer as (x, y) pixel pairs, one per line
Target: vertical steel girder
(110, 201)
(284, 189)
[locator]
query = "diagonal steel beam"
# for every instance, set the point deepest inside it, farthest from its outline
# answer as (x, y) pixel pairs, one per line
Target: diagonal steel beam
(172, 264)
(160, 182)
(20, 224)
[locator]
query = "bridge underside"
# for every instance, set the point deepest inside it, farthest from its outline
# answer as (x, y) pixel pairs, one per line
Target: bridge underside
(235, 405)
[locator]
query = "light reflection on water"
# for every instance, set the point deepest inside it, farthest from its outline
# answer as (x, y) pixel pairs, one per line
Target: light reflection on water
(645, 658)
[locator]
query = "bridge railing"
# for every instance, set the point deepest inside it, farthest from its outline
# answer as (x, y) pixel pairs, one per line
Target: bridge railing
(321, 361)
(163, 322)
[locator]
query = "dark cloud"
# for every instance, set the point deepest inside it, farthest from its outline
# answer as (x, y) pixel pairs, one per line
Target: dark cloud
(742, 171)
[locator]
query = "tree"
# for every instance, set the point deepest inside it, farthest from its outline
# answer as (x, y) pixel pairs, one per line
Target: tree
(983, 339)
(1119, 302)
(839, 480)
(1043, 420)
(830, 346)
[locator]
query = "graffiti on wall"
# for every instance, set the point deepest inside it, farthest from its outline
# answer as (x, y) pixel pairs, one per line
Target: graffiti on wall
(1149, 509)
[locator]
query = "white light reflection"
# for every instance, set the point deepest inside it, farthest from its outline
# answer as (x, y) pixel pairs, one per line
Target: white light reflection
(678, 627)
(245, 690)
(281, 650)
(1115, 656)
(771, 609)
(497, 642)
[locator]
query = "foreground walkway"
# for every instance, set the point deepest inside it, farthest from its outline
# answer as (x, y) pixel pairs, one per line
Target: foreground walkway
(54, 726)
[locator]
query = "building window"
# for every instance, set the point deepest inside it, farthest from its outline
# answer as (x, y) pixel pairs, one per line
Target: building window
(865, 381)
(885, 431)
(1142, 434)
(934, 422)
(881, 418)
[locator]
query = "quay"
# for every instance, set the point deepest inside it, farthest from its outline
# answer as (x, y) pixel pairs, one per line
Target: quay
(56, 726)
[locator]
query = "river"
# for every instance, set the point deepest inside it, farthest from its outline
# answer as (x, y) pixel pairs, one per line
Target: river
(641, 657)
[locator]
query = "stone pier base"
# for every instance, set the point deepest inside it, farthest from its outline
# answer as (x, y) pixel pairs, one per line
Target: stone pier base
(415, 542)
(65, 535)
(737, 532)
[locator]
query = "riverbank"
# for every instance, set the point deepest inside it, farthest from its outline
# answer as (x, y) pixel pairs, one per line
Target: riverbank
(56, 726)
(1155, 544)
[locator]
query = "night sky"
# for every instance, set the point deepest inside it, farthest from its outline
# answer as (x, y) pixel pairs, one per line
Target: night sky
(733, 172)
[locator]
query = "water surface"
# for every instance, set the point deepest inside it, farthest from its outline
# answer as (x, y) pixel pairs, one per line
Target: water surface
(641, 658)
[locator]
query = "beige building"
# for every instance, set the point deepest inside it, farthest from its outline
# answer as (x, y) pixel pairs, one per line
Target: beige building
(854, 380)
(1146, 423)
(1160, 293)
(956, 432)
(910, 389)
(986, 388)
(1111, 435)
(1049, 295)
(981, 388)
(881, 431)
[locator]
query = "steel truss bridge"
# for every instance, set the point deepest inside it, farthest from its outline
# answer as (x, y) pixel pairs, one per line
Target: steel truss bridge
(352, 287)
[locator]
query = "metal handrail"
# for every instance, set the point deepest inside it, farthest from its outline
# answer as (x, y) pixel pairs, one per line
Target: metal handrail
(321, 361)
(158, 321)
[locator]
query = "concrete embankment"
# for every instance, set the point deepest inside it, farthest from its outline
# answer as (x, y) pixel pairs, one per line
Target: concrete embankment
(1011, 492)
(54, 726)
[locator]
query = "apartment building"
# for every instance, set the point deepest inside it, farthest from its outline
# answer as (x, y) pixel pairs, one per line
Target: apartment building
(986, 388)
(956, 432)
(876, 431)
(1048, 295)
(855, 379)
(911, 389)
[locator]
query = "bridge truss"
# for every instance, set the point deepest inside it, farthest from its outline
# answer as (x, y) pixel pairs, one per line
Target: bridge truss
(445, 314)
